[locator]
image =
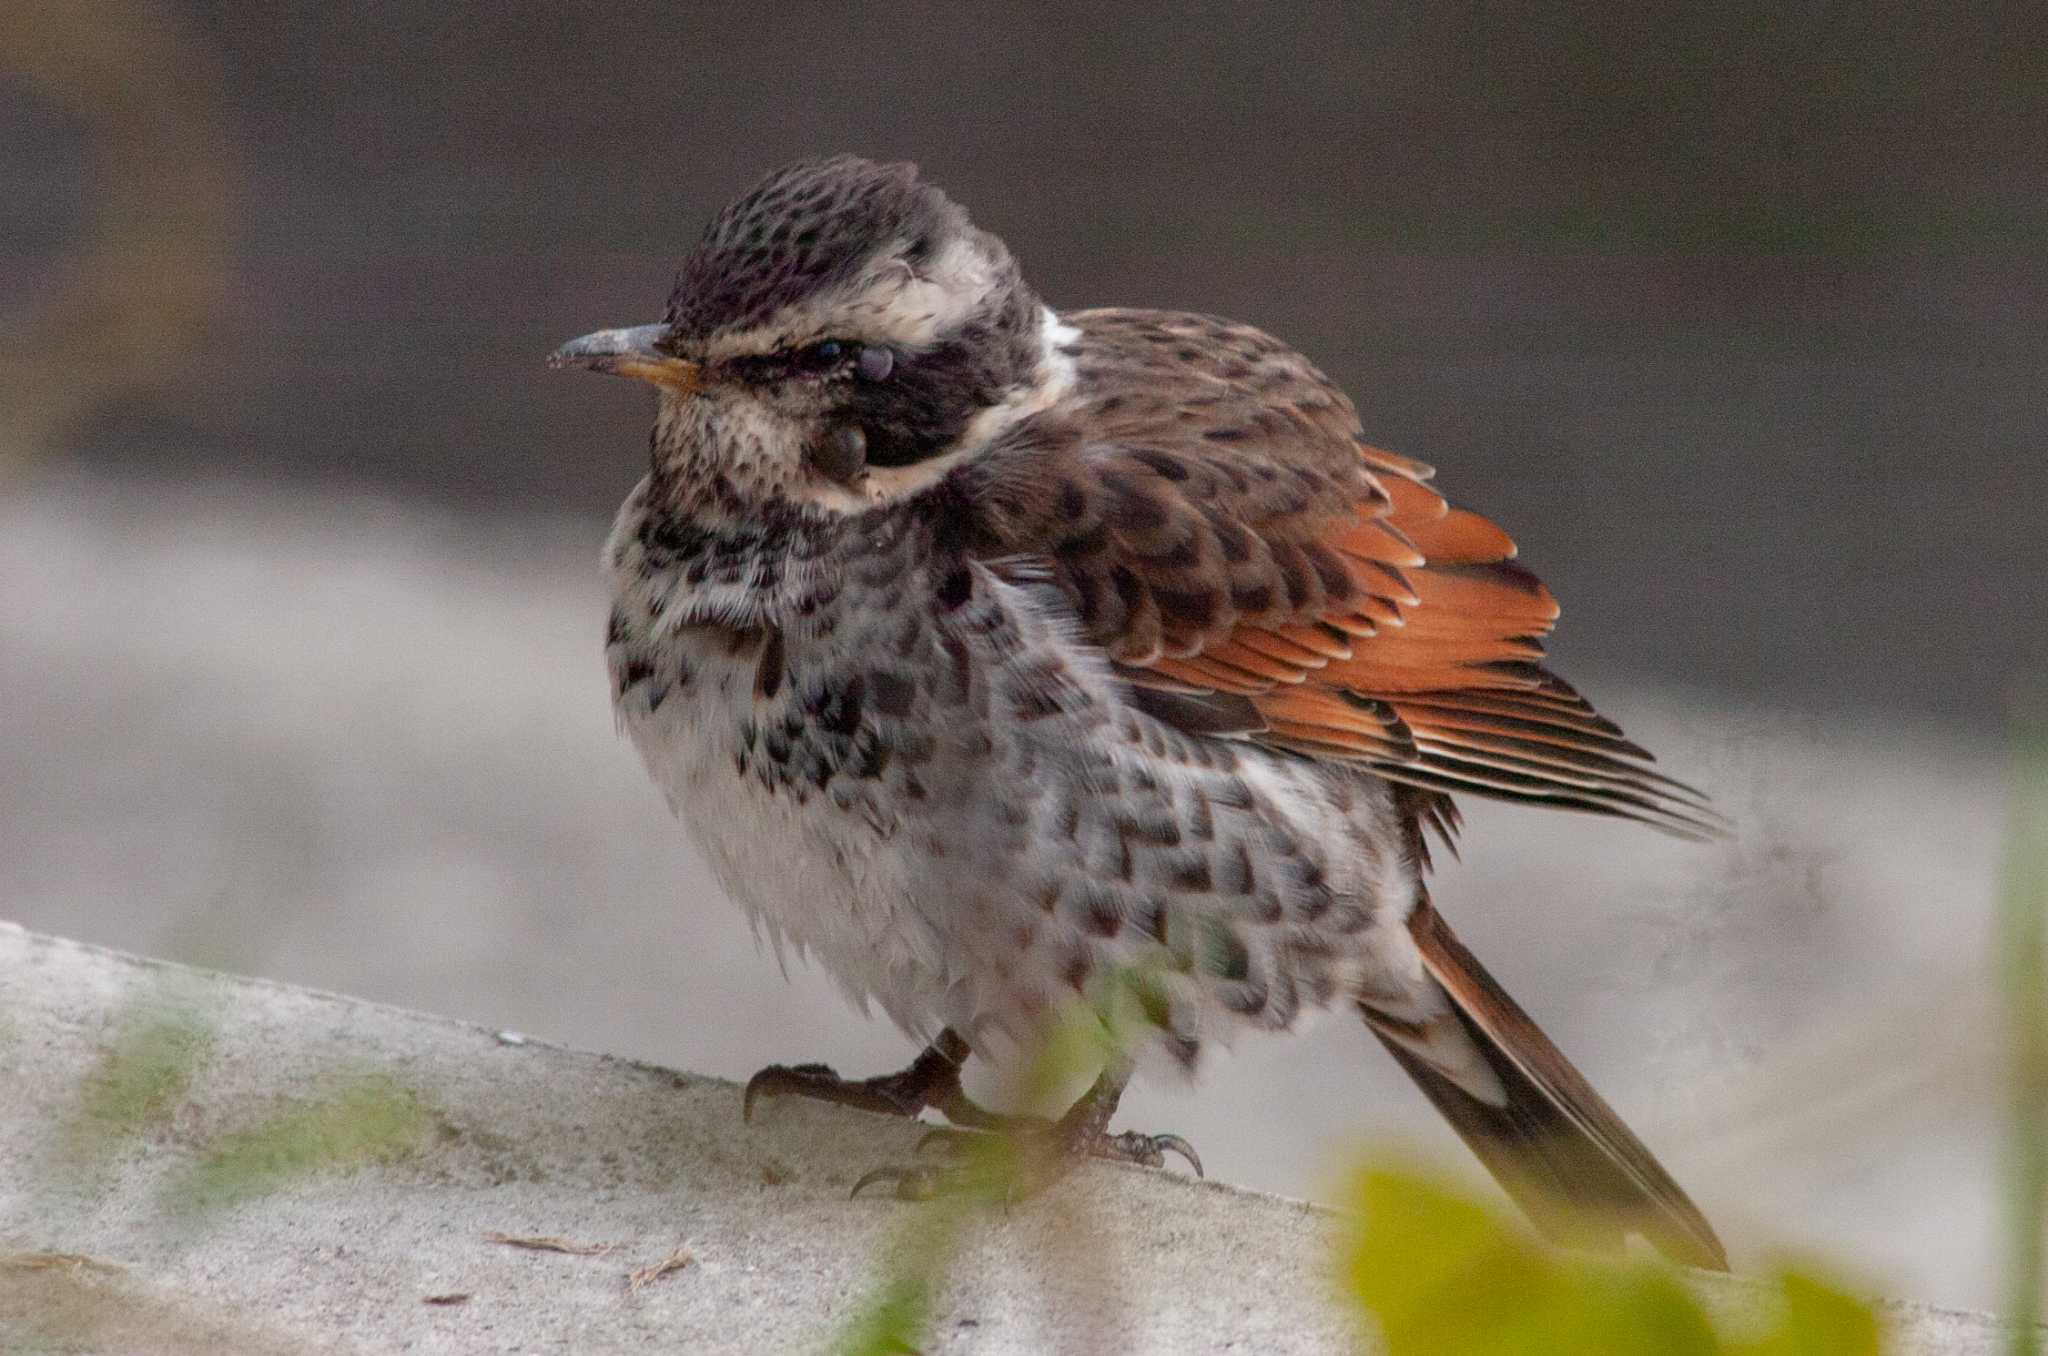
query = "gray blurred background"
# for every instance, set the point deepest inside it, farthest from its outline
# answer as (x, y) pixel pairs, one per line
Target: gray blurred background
(1734, 317)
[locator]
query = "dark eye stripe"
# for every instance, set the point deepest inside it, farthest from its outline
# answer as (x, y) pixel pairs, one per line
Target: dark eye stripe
(823, 357)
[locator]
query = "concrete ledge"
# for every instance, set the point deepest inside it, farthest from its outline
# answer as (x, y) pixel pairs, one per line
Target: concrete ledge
(168, 1183)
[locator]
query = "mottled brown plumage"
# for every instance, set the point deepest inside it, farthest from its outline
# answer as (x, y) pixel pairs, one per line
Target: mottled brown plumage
(1208, 504)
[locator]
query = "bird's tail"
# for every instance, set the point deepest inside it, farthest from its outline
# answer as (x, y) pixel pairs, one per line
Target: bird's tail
(1555, 1145)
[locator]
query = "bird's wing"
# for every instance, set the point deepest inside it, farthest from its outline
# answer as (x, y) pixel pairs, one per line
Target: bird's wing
(1204, 500)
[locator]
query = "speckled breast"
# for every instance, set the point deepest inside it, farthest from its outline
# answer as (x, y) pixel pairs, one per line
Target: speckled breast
(909, 767)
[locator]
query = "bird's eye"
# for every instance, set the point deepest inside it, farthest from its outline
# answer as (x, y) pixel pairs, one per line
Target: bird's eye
(825, 353)
(876, 362)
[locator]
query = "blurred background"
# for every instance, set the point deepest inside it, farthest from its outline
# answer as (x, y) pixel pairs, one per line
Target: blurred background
(1734, 317)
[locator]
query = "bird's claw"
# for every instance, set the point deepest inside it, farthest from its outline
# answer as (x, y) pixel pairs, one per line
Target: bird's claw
(1129, 1146)
(914, 1182)
(778, 1080)
(887, 1095)
(1148, 1151)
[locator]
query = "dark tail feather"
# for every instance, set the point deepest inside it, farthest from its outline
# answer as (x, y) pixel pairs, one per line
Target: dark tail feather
(1554, 1144)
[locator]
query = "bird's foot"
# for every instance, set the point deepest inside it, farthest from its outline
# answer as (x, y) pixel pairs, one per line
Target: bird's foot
(1020, 1160)
(898, 1094)
(932, 1080)
(1127, 1146)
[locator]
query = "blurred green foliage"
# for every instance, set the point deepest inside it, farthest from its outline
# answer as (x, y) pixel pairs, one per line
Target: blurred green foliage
(2023, 950)
(1440, 1275)
(893, 1320)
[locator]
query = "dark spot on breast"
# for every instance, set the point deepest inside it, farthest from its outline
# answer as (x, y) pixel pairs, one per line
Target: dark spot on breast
(963, 666)
(1234, 874)
(1033, 701)
(616, 629)
(1224, 953)
(1246, 999)
(1100, 916)
(768, 673)
(1158, 829)
(634, 671)
(1076, 969)
(734, 641)
(840, 709)
(956, 588)
(1120, 865)
(871, 756)
(910, 636)
(1067, 819)
(1348, 920)
(892, 694)
(1150, 918)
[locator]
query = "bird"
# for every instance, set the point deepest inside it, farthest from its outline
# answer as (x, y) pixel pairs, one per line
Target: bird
(992, 654)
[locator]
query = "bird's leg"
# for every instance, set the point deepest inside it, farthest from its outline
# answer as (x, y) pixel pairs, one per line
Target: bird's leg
(1026, 1154)
(932, 1080)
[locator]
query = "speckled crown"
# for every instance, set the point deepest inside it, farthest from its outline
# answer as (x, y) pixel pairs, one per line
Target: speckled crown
(806, 227)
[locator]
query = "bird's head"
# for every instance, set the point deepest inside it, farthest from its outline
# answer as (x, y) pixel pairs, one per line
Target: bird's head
(839, 330)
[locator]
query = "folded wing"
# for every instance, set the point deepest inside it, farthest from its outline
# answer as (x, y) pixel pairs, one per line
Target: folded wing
(1224, 534)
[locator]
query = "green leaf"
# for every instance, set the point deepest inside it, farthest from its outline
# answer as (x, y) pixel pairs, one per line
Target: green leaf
(2023, 959)
(1815, 1320)
(1440, 1275)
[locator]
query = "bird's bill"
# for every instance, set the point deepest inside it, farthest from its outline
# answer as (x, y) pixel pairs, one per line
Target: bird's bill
(630, 353)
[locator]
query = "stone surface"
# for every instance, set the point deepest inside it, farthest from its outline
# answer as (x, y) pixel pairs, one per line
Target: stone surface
(139, 1213)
